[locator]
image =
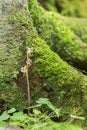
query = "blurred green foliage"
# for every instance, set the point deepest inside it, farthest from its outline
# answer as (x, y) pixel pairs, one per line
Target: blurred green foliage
(76, 8)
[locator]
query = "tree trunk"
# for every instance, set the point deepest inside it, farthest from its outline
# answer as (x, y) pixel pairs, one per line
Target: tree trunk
(11, 46)
(49, 75)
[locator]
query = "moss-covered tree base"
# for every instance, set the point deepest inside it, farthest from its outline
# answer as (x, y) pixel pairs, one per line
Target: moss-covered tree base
(49, 75)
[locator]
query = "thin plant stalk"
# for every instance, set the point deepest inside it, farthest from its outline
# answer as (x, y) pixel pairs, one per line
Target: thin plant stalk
(28, 84)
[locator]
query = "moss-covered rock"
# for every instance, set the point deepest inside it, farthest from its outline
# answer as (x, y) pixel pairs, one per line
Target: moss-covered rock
(58, 36)
(49, 75)
(53, 78)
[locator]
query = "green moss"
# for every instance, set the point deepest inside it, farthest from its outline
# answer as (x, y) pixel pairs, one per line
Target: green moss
(58, 81)
(51, 5)
(77, 25)
(9, 67)
(75, 8)
(58, 36)
(49, 75)
(11, 52)
(12, 96)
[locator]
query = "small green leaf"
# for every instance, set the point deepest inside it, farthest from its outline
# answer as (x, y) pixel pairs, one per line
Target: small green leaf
(77, 117)
(36, 112)
(4, 116)
(2, 123)
(57, 112)
(12, 110)
(45, 101)
(42, 101)
(50, 105)
(19, 116)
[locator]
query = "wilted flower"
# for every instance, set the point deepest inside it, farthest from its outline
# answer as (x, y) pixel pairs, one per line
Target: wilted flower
(29, 61)
(24, 69)
(29, 50)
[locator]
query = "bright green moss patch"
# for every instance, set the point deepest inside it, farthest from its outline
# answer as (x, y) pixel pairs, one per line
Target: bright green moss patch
(55, 79)
(58, 36)
(77, 25)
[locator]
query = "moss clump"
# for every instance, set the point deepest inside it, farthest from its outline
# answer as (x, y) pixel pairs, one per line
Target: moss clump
(77, 25)
(55, 79)
(58, 36)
